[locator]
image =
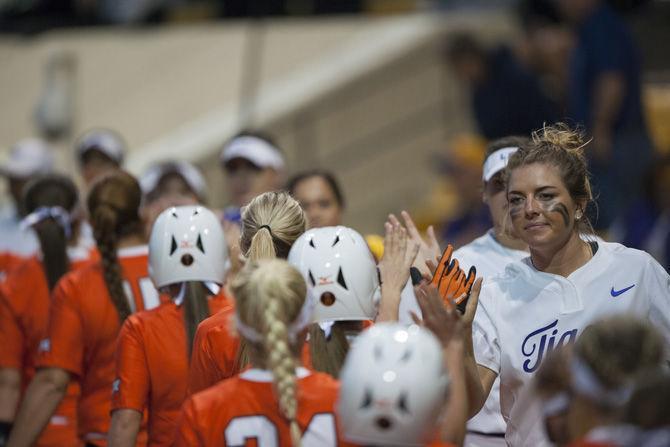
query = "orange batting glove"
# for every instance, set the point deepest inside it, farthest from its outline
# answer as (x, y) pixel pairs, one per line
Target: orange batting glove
(452, 282)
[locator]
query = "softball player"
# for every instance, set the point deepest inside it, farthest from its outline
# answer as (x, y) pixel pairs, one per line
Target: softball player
(545, 300)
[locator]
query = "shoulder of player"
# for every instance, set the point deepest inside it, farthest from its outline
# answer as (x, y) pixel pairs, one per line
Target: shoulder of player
(618, 256)
(623, 252)
(217, 321)
(473, 248)
(22, 275)
(220, 302)
(148, 317)
(217, 397)
(321, 383)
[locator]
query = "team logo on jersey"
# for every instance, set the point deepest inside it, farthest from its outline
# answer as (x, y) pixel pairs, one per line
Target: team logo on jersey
(616, 293)
(541, 342)
(45, 345)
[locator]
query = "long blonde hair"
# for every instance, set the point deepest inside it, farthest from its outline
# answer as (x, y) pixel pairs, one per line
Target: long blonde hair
(270, 225)
(270, 295)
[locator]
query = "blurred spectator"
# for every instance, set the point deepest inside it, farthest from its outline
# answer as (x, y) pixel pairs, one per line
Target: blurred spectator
(546, 47)
(646, 224)
(506, 97)
(27, 159)
(99, 151)
(604, 97)
(254, 164)
(170, 183)
(320, 196)
(463, 166)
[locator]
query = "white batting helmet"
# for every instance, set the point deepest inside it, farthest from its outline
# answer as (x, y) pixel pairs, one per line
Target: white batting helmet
(340, 271)
(187, 244)
(393, 386)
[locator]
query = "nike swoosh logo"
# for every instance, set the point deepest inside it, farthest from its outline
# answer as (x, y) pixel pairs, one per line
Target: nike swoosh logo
(619, 292)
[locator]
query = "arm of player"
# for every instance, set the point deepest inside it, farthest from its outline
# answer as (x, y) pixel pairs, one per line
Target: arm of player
(42, 397)
(10, 392)
(445, 322)
(131, 388)
(479, 379)
(399, 254)
(11, 362)
(124, 427)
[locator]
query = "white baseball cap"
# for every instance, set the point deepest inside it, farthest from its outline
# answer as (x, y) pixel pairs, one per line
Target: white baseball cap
(106, 141)
(257, 150)
(28, 157)
(191, 175)
(496, 162)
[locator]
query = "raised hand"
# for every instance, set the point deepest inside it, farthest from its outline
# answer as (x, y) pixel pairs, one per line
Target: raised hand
(429, 248)
(399, 254)
(451, 281)
(441, 319)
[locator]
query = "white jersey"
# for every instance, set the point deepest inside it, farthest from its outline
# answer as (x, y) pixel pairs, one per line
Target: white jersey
(524, 314)
(490, 258)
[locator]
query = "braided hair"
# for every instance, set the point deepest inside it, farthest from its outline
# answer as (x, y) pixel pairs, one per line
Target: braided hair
(113, 206)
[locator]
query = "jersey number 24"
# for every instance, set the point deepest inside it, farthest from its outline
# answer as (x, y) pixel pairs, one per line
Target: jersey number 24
(320, 431)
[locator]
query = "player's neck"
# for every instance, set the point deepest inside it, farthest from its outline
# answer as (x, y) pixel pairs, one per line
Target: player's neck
(562, 260)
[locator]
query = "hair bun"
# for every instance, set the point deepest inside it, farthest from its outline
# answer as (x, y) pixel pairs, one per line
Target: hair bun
(561, 136)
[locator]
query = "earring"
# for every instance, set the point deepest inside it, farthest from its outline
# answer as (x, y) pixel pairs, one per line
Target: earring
(578, 214)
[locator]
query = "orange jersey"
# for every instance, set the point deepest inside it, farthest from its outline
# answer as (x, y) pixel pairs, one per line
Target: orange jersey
(214, 354)
(152, 366)
(83, 328)
(215, 348)
(24, 316)
(9, 261)
(244, 411)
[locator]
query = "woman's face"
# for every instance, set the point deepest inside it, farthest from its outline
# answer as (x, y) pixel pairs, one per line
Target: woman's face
(540, 207)
(319, 202)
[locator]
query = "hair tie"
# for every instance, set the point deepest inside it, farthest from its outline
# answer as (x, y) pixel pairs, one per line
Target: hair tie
(268, 227)
(57, 213)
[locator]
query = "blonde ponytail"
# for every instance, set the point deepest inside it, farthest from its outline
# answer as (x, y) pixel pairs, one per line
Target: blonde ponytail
(270, 296)
(262, 246)
(270, 224)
